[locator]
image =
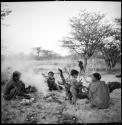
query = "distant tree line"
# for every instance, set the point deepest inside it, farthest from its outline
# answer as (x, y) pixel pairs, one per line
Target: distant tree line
(44, 54)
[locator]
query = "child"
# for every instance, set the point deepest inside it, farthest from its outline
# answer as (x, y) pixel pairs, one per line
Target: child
(98, 92)
(51, 82)
(74, 85)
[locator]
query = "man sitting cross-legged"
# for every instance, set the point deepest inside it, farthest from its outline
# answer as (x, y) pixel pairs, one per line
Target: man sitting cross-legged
(15, 87)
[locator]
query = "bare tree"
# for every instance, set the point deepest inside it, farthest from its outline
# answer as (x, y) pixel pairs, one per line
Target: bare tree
(87, 32)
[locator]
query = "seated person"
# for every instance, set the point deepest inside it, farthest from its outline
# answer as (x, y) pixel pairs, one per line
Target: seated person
(98, 92)
(15, 87)
(79, 87)
(51, 82)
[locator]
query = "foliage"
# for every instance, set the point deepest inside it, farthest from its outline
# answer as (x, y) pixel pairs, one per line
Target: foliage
(49, 54)
(117, 35)
(111, 53)
(111, 48)
(87, 32)
(45, 54)
(5, 11)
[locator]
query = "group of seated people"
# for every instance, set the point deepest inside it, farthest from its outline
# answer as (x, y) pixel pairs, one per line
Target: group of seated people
(97, 92)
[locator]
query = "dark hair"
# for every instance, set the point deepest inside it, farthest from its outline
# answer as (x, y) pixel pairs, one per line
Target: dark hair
(97, 76)
(16, 74)
(74, 72)
(51, 73)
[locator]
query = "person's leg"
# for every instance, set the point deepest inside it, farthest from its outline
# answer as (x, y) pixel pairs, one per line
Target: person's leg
(13, 93)
(74, 98)
(60, 87)
(74, 95)
(55, 87)
(50, 87)
(68, 93)
(22, 94)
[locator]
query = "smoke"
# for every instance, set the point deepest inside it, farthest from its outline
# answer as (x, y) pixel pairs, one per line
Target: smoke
(37, 80)
(28, 76)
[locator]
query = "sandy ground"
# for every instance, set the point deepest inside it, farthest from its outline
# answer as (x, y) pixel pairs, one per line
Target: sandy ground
(58, 110)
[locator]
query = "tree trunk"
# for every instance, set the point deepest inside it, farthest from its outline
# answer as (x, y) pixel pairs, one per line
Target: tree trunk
(108, 65)
(38, 54)
(109, 68)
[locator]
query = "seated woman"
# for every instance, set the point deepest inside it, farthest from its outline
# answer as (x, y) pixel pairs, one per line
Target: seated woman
(98, 92)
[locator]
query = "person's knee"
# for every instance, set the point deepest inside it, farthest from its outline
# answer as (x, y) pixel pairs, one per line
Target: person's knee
(11, 95)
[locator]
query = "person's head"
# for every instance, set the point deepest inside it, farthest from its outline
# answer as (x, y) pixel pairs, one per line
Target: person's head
(16, 75)
(80, 62)
(50, 74)
(95, 77)
(74, 73)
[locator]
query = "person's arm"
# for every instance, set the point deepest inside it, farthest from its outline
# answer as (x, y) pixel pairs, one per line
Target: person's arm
(62, 76)
(92, 89)
(44, 75)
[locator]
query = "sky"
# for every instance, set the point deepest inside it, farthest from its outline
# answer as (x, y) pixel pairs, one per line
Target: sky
(44, 24)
